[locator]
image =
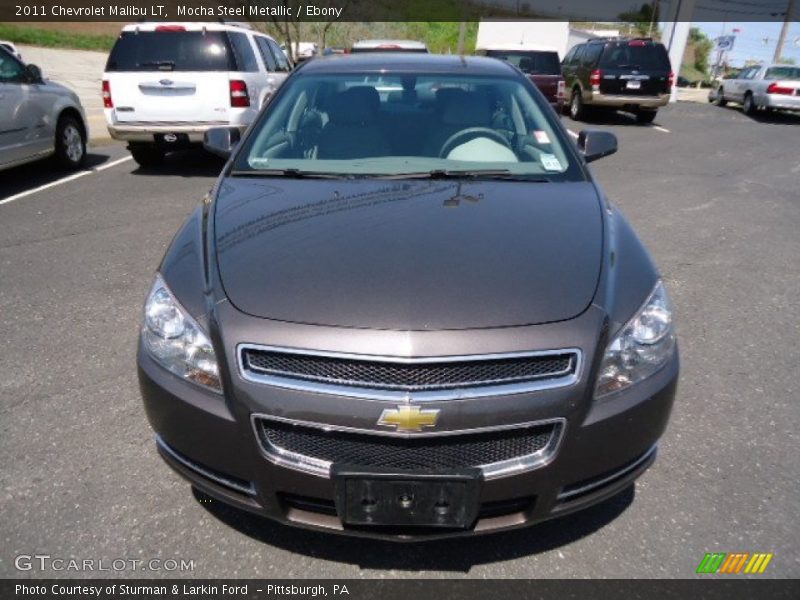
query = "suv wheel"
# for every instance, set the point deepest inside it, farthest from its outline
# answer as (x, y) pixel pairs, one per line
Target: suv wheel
(147, 155)
(645, 116)
(749, 105)
(577, 110)
(70, 143)
(719, 99)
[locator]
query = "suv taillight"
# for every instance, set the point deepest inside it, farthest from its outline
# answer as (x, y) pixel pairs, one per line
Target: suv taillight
(107, 101)
(239, 96)
(671, 80)
(561, 90)
(595, 77)
(774, 88)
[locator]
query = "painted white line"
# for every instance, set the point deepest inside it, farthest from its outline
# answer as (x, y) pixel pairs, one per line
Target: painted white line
(659, 128)
(572, 133)
(67, 179)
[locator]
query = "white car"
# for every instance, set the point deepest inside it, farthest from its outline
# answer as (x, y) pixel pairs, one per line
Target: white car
(302, 50)
(166, 84)
(11, 48)
(767, 87)
(38, 118)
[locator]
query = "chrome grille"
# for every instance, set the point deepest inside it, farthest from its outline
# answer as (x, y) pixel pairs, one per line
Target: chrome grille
(292, 368)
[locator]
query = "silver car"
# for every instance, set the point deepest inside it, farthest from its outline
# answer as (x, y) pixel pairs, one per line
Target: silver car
(38, 118)
(762, 87)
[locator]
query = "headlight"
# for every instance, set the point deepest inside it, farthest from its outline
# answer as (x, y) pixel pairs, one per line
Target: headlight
(641, 348)
(175, 339)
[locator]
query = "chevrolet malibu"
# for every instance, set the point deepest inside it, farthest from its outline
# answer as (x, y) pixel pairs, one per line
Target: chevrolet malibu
(408, 319)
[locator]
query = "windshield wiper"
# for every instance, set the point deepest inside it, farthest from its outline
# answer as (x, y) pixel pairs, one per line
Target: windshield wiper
(290, 173)
(465, 174)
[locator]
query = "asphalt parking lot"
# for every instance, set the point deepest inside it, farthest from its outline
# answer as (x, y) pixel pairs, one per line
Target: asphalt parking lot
(713, 194)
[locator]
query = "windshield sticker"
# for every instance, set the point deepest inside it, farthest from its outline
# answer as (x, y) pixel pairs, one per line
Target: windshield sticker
(550, 162)
(541, 137)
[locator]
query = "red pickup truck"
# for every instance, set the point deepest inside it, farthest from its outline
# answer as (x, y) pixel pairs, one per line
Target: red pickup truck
(541, 66)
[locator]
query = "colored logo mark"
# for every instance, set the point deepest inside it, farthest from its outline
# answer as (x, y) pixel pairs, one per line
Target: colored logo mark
(734, 562)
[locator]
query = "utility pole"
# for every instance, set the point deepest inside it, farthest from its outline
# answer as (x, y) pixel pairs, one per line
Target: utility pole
(462, 31)
(784, 30)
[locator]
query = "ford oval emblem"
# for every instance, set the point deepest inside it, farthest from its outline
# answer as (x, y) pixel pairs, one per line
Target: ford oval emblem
(170, 137)
(166, 82)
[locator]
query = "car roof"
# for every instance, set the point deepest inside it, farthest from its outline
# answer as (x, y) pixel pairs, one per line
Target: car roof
(405, 62)
(193, 26)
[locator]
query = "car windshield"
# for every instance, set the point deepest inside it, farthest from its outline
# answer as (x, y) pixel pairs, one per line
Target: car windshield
(532, 63)
(791, 73)
(416, 125)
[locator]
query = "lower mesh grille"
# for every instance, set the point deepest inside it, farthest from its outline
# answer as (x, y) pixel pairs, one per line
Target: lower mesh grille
(429, 453)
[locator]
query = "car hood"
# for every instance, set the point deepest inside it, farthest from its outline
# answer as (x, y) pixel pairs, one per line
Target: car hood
(422, 255)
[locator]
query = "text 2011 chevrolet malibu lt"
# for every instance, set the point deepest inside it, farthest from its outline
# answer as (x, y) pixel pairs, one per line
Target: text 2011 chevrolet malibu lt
(407, 310)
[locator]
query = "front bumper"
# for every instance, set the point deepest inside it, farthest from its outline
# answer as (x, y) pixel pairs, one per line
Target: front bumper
(210, 441)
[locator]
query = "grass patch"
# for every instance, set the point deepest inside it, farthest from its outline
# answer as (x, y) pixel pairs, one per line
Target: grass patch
(56, 39)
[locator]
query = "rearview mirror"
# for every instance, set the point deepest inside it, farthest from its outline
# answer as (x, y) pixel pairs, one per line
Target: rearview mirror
(33, 74)
(222, 140)
(595, 143)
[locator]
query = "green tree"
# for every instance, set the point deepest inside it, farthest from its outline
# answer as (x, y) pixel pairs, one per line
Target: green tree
(702, 49)
(642, 19)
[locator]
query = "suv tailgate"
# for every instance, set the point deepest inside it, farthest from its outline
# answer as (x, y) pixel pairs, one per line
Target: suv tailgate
(170, 75)
(635, 68)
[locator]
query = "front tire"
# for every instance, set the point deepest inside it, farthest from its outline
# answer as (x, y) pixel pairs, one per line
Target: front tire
(147, 155)
(70, 143)
(749, 105)
(719, 99)
(577, 109)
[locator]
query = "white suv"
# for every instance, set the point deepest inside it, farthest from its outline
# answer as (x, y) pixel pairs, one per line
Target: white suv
(165, 84)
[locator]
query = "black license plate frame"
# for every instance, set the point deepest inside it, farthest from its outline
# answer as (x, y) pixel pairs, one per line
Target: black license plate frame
(375, 498)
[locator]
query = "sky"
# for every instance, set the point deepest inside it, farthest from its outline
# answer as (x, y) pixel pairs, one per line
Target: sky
(750, 40)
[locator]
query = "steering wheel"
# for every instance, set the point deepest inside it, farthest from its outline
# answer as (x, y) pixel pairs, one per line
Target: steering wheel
(471, 133)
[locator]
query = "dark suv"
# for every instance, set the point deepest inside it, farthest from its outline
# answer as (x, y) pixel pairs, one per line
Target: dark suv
(627, 74)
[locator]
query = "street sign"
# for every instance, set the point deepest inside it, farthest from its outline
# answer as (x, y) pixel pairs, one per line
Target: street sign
(725, 43)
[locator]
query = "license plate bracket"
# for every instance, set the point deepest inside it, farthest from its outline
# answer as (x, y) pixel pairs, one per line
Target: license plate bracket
(367, 497)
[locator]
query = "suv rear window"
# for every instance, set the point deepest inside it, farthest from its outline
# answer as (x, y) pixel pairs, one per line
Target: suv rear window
(171, 51)
(641, 55)
(530, 63)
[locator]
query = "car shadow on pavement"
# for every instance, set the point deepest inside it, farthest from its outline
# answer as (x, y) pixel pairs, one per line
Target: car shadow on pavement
(455, 554)
(776, 118)
(607, 117)
(32, 175)
(185, 163)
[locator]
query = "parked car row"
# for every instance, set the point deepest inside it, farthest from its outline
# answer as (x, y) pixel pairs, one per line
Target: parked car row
(612, 73)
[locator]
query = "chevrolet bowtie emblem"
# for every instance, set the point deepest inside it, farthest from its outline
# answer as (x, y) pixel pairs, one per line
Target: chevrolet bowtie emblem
(409, 418)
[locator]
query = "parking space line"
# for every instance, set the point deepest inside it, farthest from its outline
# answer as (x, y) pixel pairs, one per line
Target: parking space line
(66, 179)
(572, 133)
(659, 128)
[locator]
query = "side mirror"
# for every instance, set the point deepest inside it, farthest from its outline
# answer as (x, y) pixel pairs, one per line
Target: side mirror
(595, 143)
(33, 74)
(222, 140)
